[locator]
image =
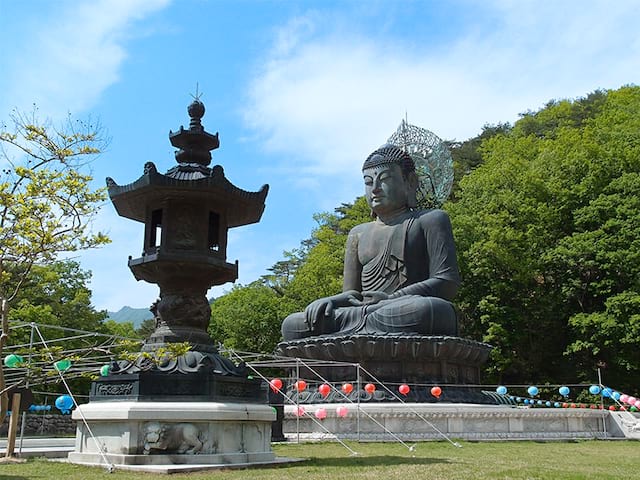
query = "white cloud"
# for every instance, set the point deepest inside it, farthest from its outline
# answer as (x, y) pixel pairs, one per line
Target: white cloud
(325, 97)
(64, 62)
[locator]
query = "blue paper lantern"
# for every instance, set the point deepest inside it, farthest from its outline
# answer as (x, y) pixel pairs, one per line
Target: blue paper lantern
(533, 391)
(502, 390)
(539, 402)
(556, 404)
(616, 396)
(518, 399)
(548, 403)
(606, 392)
(564, 391)
(594, 389)
(64, 403)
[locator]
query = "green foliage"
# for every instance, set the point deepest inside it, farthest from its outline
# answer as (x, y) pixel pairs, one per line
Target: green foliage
(121, 329)
(46, 202)
(146, 328)
(467, 156)
(547, 232)
(247, 318)
(56, 294)
(170, 351)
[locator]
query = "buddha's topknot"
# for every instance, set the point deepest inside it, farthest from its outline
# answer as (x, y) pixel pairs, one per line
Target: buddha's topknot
(390, 154)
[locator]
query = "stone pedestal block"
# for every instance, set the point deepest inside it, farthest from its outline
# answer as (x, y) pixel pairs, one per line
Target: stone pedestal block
(173, 433)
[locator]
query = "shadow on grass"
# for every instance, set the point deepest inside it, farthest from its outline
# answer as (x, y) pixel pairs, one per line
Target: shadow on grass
(372, 461)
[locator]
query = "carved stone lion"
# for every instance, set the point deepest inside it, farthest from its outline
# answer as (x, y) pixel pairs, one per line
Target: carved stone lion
(182, 438)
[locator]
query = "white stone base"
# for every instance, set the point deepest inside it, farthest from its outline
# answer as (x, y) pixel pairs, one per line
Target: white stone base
(173, 433)
(414, 421)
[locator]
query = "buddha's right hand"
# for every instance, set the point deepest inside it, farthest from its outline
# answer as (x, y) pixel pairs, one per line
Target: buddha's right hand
(317, 311)
(321, 309)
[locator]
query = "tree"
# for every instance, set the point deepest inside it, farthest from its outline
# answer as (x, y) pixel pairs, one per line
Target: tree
(46, 201)
(121, 329)
(547, 238)
(247, 318)
(146, 328)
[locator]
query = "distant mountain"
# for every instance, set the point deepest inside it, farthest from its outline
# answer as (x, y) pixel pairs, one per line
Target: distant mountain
(133, 315)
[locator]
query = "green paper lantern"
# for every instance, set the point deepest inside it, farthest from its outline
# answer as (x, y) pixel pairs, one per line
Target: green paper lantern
(104, 370)
(12, 360)
(62, 365)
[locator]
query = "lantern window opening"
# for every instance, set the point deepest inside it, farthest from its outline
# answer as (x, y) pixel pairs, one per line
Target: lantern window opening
(155, 234)
(214, 232)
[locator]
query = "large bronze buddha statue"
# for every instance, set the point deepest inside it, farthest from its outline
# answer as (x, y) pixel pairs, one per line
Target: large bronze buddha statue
(400, 270)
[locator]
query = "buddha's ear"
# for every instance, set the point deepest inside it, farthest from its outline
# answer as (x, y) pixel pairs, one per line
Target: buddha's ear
(412, 188)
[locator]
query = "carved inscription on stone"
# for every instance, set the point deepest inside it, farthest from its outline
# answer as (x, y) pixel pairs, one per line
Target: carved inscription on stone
(114, 389)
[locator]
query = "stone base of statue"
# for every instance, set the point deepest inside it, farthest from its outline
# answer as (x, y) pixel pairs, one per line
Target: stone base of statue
(392, 359)
(130, 433)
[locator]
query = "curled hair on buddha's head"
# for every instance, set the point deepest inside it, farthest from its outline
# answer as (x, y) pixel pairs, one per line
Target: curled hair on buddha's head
(390, 154)
(387, 154)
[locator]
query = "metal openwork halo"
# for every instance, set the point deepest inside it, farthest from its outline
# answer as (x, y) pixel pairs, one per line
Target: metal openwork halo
(434, 164)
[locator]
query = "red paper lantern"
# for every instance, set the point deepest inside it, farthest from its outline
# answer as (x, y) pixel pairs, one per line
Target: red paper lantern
(436, 392)
(370, 388)
(276, 384)
(324, 390)
(301, 385)
(347, 388)
(404, 389)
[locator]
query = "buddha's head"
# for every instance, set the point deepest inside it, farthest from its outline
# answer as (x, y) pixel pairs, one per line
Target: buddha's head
(390, 180)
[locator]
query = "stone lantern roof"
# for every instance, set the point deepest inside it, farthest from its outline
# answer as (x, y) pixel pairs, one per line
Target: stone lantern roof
(191, 179)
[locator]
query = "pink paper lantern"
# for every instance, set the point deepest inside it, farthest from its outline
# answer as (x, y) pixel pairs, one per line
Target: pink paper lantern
(342, 411)
(632, 400)
(300, 412)
(636, 403)
(321, 414)
(624, 398)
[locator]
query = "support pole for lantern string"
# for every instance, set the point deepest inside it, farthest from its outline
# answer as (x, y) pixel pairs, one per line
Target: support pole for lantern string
(604, 420)
(24, 414)
(358, 398)
(297, 401)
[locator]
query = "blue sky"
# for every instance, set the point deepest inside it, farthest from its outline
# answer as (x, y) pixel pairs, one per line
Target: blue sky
(300, 91)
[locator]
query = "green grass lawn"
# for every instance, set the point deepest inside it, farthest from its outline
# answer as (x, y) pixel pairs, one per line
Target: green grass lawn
(601, 460)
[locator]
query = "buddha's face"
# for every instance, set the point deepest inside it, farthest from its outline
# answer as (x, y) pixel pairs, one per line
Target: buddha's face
(386, 189)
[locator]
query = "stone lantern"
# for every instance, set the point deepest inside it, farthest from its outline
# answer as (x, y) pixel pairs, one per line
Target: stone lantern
(187, 213)
(197, 407)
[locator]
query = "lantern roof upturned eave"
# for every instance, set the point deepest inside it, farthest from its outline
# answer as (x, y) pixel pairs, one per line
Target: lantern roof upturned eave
(241, 207)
